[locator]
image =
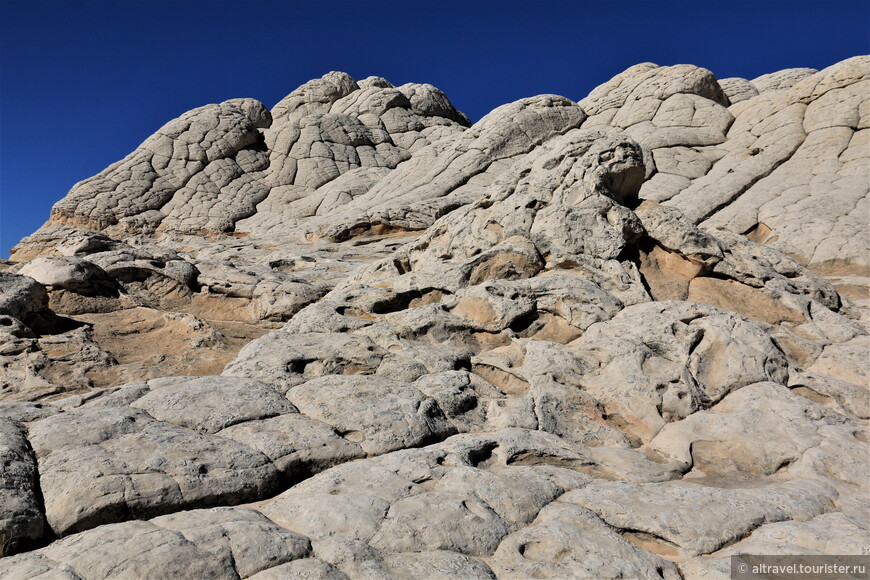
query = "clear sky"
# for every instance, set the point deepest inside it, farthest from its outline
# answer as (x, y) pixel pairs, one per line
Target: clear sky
(82, 83)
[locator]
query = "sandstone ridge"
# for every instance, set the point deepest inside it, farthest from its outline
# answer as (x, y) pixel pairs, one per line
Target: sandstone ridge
(358, 336)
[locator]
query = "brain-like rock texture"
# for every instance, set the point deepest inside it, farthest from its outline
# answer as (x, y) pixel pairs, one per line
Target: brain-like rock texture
(359, 336)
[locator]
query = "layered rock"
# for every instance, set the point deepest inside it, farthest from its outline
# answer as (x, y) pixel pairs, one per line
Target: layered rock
(357, 336)
(784, 163)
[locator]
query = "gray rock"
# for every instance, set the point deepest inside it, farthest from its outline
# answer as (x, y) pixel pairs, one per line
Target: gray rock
(846, 398)
(379, 414)
(444, 564)
(100, 465)
(22, 297)
(659, 362)
(21, 517)
(650, 80)
(440, 520)
(193, 156)
(238, 538)
(136, 549)
(844, 361)
(26, 412)
(825, 534)
(693, 518)
(823, 144)
(744, 444)
(738, 89)
(210, 404)
(781, 80)
(282, 360)
(356, 516)
(516, 495)
(609, 351)
(308, 568)
(354, 558)
(315, 96)
(75, 274)
(669, 227)
(441, 169)
(33, 566)
(296, 444)
(567, 541)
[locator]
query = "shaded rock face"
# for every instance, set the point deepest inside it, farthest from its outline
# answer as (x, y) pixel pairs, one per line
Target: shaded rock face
(357, 336)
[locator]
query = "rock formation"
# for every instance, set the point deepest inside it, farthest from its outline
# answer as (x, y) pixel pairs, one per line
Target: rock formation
(357, 336)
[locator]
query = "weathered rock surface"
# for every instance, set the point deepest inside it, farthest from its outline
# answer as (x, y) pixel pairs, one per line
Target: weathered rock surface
(129, 465)
(217, 543)
(23, 298)
(358, 336)
(21, 517)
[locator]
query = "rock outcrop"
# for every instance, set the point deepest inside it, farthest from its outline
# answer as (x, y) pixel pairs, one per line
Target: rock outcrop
(358, 336)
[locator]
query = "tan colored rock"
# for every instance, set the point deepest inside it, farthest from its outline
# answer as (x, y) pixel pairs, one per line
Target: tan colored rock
(737, 297)
(668, 274)
(833, 533)
(846, 361)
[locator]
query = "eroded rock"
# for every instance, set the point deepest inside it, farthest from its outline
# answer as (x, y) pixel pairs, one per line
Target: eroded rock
(569, 340)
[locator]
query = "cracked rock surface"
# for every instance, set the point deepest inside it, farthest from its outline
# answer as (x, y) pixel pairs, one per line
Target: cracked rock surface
(359, 336)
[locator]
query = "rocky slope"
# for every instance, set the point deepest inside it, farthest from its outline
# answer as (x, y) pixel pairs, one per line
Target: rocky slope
(357, 336)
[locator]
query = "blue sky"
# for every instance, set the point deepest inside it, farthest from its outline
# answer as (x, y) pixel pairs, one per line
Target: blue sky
(82, 83)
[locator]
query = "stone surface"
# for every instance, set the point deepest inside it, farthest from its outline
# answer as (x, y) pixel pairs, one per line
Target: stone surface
(360, 336)
(210, 404)
(21, 517)
(137, 549)
(658, 362)
(305, 568)
(22, 297)
(688, 517)
(103, 464)
(283, 359)
(70, 273)
(379, 414)
(826, 534)
(567, 541)
(238, 538)
(296, 444)
(217, 543)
